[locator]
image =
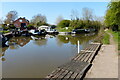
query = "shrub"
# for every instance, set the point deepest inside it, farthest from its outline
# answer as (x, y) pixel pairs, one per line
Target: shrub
(64, 23)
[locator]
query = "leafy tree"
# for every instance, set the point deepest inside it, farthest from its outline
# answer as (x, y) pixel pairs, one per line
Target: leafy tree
(112, 18)
(76, 23)
(58, 19)
(53, 26)
(5, 27)
(64, 23)
(30, 26)
(11, 26)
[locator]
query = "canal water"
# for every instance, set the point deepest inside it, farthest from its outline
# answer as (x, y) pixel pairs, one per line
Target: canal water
(37, 56)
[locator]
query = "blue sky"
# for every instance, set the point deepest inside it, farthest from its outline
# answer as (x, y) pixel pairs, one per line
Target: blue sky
(52, 9)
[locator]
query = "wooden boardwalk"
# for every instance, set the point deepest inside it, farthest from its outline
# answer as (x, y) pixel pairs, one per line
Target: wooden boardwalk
(78, 66)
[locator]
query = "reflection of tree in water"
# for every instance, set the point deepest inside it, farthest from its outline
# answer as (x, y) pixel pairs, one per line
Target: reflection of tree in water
(61, 39)
(41, 42)
(17, 42)
(2, 53)
(14, 46)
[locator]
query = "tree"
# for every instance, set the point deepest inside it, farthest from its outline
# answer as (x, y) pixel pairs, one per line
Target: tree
(39, 20)
(112, 17)
(58, 19)
(64, 23)
(1, 21)
(76, 23)
(87, 14)
(10, 17)
(53, 26)
(74, 15)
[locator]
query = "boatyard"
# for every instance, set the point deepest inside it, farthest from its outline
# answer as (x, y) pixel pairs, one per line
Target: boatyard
(60, 41)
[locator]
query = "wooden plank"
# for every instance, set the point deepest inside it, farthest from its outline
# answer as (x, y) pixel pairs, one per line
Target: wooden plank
(68, 75)
(78, 76)
(63, 74)
(87, 58)
(84, 54)
(78, 66)
(59, 73)
(87, 51)
(53, 73)
(92, 56)
(81, 53)
(65, 66)
(68, 69)
(74, 75)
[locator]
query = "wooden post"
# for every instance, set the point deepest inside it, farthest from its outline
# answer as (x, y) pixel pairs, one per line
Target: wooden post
(78, 47)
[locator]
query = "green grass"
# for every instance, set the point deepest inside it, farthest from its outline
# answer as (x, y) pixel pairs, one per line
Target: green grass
(64, 30)
(116, 37)
(106, 39)
(4, 32)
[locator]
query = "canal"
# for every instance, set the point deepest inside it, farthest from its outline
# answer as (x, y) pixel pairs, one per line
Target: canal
(37, 56)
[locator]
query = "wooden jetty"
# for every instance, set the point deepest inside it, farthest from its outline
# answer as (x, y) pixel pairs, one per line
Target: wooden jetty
(78, 66)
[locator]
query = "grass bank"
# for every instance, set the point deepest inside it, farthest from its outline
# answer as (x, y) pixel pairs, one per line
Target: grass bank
(64, 29)
(4, 32)
(116, 37)
(106, 39)
(102, 37)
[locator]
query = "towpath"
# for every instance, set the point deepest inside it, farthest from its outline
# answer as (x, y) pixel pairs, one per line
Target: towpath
(105, 64)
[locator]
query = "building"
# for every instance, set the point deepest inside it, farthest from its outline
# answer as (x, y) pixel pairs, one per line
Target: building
(21, 23)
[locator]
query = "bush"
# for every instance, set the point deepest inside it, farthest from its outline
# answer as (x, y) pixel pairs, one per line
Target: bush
(64, 23)
(11, 26)
(4, 32)
(106, 39)
(5, 27)
(30, 26)
(65, 30)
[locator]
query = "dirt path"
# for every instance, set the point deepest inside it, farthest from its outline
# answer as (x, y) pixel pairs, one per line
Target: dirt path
(105, 64)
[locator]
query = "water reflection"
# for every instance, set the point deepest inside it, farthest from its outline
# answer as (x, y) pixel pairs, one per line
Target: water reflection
(39, 40)
(74, 38)
(37, 56)
(17, 42)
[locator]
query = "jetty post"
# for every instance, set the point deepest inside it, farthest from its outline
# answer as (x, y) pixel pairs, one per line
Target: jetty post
(78, 47)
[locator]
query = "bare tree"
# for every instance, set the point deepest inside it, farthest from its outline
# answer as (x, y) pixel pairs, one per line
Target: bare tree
(10, 17)
(1, 21)
(100, 19)
(87, 14)
(58, 19)
(38, 19)
(74, 15)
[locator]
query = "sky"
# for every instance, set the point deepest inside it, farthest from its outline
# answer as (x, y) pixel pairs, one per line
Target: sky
(52, 9)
